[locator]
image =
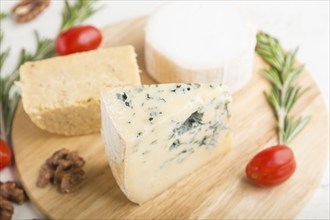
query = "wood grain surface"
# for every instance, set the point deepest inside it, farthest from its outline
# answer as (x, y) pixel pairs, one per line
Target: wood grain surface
(217, 191)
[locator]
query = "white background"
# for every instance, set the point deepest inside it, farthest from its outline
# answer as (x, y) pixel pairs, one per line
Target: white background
(303, 23)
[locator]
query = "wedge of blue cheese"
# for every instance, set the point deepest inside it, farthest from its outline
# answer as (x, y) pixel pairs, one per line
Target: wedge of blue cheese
(155, 135)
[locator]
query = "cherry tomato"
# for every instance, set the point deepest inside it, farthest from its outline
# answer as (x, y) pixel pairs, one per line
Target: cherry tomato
(78, 39)
(5, 154)
(271, 166)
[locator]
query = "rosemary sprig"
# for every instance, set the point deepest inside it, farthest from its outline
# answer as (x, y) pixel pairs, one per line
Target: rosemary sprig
(73, 14)
(77, 13)
(284, 94)
(4, 54)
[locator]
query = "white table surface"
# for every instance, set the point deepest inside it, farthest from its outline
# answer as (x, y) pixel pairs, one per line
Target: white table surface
(295, 23)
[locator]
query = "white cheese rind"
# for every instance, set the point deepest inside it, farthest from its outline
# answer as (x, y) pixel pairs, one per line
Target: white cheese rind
(156, 135)
(209, 42)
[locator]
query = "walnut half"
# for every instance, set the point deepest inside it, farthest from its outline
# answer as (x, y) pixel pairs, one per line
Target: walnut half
(6, 209)
(26, 10)
(13, 192)
(64, 169)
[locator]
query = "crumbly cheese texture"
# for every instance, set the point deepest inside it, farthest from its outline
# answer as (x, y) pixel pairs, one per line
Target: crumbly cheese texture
(62, 94)
(157, 134)
(203, 42)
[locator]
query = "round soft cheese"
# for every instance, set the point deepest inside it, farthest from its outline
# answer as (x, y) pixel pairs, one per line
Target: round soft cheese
(204, 42)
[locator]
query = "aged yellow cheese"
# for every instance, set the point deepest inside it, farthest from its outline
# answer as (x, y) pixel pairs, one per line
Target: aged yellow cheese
(61, 94)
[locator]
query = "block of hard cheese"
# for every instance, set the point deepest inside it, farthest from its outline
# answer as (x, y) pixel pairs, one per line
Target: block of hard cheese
(155, 135)
(62, 94)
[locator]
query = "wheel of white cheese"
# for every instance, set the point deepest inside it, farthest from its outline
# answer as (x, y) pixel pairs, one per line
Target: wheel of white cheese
(204, 42)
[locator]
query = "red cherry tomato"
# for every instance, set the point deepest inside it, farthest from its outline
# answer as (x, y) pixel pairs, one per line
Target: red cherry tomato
(271, 166)
(78, 39)
(5, 154)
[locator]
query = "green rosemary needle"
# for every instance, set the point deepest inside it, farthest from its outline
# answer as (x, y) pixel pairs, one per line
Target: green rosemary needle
(2, 15)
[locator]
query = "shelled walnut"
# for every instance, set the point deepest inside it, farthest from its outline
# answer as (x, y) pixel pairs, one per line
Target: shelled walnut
(63, 168)
(13, 192)
(10, 192)
(6, 209)
(26, 10)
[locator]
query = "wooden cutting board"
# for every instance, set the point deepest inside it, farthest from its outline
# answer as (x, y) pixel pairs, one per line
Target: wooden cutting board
(218, 191)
